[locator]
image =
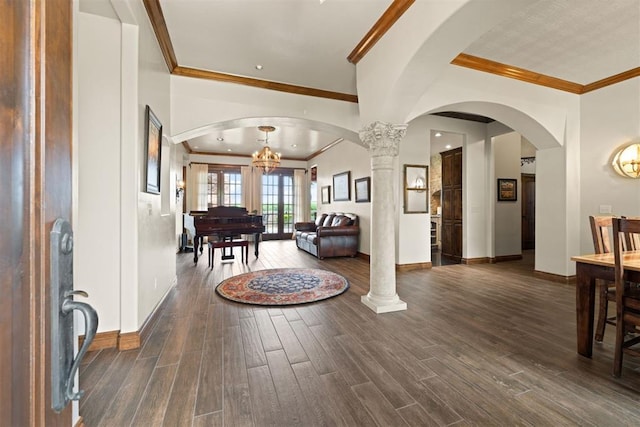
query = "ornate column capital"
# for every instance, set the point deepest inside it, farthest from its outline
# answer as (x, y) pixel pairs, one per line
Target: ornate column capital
(383, 138)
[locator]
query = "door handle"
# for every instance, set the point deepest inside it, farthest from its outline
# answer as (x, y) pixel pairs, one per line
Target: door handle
(90, 327)
(63, 364)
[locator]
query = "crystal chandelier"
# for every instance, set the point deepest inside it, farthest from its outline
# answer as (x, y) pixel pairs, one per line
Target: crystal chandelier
(265, 159)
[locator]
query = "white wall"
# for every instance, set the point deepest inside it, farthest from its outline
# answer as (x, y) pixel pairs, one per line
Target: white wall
(156, 231)
(126, 259)
(413, 234)
(610, 117)
(507, 220)
(97, 229)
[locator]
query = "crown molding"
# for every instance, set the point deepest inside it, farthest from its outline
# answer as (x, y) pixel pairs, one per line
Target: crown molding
(608, 81)
(504, 70)
(323, 149)
(154, 10)
(264, 84)
(156, 16)
(382, 25)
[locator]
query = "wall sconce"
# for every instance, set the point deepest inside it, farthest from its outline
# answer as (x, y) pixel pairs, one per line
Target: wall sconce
(626, 161)
(420, 184)
(179, 189)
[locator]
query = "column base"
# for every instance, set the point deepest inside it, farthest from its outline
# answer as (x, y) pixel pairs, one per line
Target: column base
(378, 306)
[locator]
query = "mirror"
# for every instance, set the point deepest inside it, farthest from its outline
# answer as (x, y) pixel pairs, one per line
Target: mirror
(416, 186)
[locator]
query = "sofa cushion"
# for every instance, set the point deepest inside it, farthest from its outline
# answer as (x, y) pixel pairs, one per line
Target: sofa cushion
(340, 220)
(320, 220)
(328, 220)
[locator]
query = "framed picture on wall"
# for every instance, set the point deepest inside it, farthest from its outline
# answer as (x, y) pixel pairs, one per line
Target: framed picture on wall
(363, 189)
(507, 190)
(326, 194)
(153, 143)
(341, 190)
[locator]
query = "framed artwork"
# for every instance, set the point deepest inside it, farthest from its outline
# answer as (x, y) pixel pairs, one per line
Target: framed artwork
(153, 143)
(341, 189)
(507, 190)
(326, 194)
(416, 188)
(363, 189)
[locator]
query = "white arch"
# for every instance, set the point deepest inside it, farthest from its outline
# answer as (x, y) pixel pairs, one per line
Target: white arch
(517, 120)
(417, 51)
(337, 131)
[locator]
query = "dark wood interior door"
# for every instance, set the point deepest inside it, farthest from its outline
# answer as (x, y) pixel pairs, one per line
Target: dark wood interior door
(528, 211)
(452, 204)
(35, 168)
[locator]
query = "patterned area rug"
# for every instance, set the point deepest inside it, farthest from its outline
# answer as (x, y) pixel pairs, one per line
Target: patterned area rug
(282, 286)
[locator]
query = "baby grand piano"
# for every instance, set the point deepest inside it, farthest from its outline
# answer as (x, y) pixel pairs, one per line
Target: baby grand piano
(225, 222)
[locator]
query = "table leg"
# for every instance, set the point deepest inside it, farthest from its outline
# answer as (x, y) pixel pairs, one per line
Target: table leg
(585, 301)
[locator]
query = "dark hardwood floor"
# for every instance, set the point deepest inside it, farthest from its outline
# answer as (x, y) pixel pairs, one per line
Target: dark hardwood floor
(479, 345)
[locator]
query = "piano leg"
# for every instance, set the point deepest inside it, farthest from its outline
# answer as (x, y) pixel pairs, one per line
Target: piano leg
(196, 243)
(257, 240)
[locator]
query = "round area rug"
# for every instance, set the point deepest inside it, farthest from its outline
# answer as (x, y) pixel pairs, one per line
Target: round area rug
(282, 286)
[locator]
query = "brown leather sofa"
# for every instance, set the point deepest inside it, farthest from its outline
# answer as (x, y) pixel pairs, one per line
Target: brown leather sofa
(331, 235)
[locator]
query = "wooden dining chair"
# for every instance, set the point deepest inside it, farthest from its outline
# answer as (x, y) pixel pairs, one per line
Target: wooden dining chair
(601, 228)
(627, 295)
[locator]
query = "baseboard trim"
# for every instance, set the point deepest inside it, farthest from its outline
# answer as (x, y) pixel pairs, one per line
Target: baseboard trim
(363, 256)
(555, 277)
(414, 266)
(470, 261)
(102, 340)
(503, 258)
(128, 340)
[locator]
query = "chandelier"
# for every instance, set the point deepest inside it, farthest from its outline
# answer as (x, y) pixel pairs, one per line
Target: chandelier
(265, 159)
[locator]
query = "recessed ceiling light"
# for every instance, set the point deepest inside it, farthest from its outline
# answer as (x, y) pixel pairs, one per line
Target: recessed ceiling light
(294, 145)
(196, 147)
(438, 134)
(258, 67)
(447, 146)
(220, 138)
(228, 149)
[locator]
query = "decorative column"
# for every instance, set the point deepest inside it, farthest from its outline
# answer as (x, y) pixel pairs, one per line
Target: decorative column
(382, 140)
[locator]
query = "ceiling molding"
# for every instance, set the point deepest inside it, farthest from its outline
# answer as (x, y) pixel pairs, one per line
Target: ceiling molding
(323, 149)
(488, 66)
(186, 146)
(162, 33)
(386, 21)
(264, 84)
(634, 72)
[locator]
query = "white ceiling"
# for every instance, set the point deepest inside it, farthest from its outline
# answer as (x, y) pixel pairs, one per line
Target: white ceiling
(306, 43)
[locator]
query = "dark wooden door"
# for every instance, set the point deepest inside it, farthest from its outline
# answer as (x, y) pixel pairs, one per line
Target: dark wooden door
(35, 169)
(528, 211)
(452, 204)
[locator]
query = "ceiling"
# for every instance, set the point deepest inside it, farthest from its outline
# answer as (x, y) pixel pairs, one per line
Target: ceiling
(305, 45)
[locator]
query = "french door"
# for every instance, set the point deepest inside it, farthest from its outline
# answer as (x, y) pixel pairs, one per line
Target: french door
(277, 204)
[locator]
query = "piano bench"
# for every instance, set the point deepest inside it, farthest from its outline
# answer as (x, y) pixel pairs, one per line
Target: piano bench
(244, 252)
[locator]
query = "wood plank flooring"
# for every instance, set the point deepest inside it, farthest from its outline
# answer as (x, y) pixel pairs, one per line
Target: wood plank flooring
(479, 345)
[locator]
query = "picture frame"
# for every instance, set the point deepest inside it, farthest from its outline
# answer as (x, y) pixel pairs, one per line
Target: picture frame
(153, 147)
(363, 189)
(507, 190)
(416, 188)
(326, 194)
(341, 189)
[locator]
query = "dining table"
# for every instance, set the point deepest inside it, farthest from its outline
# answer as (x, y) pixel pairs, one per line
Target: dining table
(588, 269)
